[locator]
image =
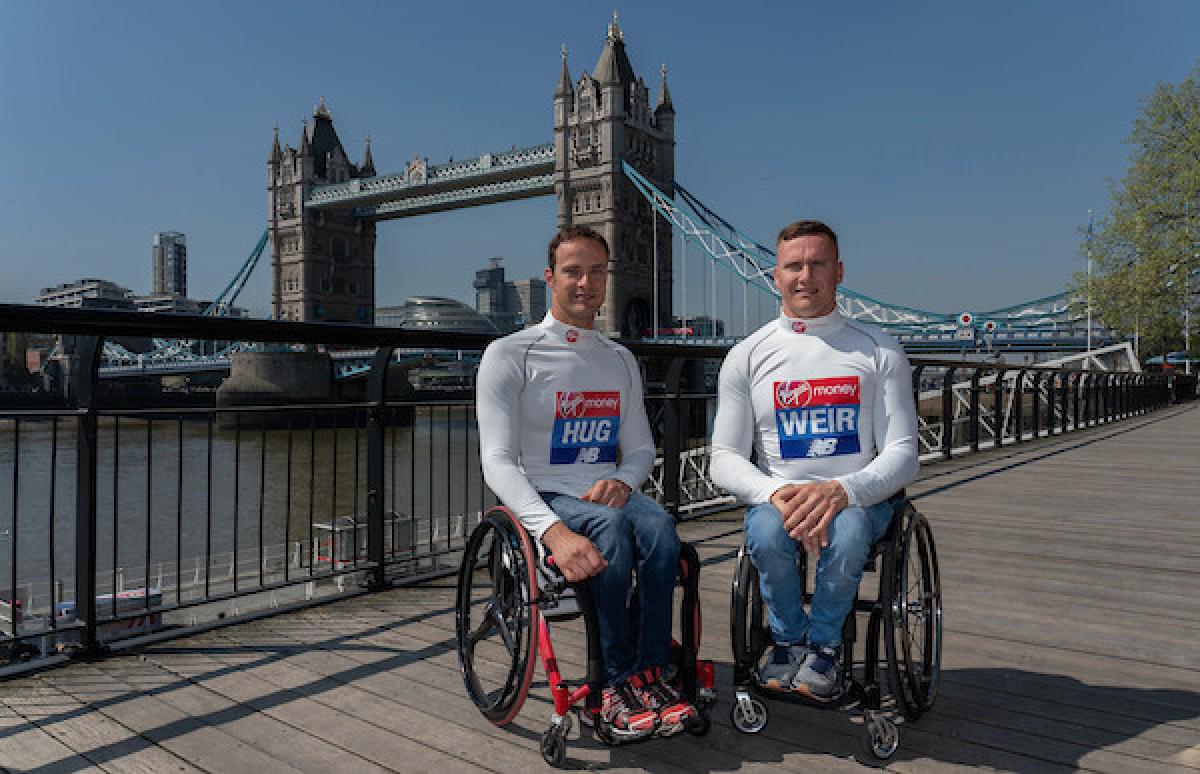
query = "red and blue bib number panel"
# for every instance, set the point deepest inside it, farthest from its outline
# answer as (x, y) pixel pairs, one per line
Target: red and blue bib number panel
(817, 417)
(585, 427)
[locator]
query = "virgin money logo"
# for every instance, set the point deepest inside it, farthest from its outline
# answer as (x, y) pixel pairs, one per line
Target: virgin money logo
(792, 394)
(572, 336)
(570, 404)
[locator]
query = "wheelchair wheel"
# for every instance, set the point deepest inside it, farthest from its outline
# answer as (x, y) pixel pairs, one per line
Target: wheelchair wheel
(496, 620)
(749, 627)
(912, 617)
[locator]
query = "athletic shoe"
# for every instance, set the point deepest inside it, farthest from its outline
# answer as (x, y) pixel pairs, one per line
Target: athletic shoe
(622, 710)
(657, 694)
(786, 661)
(820, 676)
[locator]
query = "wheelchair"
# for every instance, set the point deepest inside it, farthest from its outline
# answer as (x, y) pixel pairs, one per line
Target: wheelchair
(907, 613)
(508, 592)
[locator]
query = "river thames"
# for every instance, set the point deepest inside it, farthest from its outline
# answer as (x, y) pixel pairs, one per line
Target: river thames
(171, 491)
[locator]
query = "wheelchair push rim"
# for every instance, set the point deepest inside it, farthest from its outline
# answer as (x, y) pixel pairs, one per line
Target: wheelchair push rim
(749, 624)
(913, 617)
(496, 616)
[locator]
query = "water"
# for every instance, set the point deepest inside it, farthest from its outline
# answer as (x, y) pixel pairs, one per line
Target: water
(168, 496)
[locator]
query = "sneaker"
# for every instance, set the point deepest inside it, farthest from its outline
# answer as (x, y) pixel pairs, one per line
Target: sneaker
(779, 672)
(623, 712)
(657, 694)
(820, 676)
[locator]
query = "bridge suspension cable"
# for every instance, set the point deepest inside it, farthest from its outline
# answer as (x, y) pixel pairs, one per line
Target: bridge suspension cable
(753, 263)
(226, 298)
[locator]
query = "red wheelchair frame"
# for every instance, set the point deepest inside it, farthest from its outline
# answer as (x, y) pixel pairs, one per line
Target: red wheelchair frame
(521, 595)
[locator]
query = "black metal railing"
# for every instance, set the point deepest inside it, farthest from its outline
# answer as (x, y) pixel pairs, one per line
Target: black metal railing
(138, 504)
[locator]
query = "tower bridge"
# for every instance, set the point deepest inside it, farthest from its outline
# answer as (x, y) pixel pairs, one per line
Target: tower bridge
(324, 207)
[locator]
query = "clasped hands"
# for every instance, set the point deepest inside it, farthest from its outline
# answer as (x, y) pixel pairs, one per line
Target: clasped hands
(576, 557)
(808, 509)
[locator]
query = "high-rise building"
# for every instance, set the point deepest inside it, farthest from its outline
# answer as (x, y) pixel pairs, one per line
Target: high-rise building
(510, 305)
(529, 297)
(489, 290)
(170, 263)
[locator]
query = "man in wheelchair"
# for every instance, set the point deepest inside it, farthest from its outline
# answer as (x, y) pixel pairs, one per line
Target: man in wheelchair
(566, 445)
(825, 405)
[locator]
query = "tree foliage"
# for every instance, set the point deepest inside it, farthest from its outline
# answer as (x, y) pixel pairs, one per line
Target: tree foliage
(1145, 251)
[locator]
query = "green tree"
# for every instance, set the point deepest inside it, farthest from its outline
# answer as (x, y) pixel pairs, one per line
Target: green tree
(1145, 251)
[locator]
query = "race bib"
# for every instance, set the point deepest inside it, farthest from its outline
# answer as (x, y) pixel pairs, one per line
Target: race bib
(817, 417)
(585, 427)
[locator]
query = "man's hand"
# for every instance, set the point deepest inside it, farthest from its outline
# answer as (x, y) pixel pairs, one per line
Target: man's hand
(576, 557)
(608, 491)
(808, 509)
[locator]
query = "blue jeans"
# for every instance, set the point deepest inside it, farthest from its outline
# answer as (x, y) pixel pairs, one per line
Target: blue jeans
(635, 630)
(839, 570)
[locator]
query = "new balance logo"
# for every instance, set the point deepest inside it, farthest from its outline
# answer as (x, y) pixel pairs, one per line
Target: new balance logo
(822, 447)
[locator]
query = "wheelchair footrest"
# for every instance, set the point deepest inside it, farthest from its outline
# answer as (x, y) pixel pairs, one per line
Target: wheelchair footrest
(843, 697)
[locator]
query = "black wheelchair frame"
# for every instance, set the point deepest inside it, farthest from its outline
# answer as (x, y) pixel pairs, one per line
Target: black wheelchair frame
(907, 612)
(506, 596)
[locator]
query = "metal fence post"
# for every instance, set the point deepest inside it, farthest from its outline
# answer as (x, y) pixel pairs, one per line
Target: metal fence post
(948, 411)
(1037, 404)
(672, 440)
(1019, 407)
(1089, 399)
(998, 408)
(1066, 401)
(84, 382)
(377, 395)
(974, 436)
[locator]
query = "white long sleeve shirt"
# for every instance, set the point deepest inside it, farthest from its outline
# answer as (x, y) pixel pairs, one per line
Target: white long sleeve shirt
(816, 399)
(559, 408)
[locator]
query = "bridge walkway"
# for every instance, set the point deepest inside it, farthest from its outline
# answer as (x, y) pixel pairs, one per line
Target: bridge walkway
(1072, 608)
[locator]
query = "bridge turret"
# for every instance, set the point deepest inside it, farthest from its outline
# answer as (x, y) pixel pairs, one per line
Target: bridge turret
(664, 121)
(664, 108)
(368, 166)
(564, 106)
(565, 90)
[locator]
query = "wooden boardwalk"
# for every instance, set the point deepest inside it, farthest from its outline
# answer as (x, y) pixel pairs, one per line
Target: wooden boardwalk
(1071, 570)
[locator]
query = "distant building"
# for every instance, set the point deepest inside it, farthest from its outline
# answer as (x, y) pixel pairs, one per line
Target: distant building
(87, 293)
(701, 326)
(431, 313)
(530, 299)
(509, 305)
(491, 300)
(169, 304)
(170, 263)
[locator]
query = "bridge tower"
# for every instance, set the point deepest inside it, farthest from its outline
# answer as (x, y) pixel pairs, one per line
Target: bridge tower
(322, 262)
(599, 120)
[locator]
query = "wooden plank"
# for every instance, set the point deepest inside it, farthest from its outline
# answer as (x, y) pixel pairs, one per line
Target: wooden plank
(26, 747)
(103, 742)
(187, 737)
(316, 706)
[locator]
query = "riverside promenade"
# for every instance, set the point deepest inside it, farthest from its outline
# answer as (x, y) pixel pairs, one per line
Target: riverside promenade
(1071, 576)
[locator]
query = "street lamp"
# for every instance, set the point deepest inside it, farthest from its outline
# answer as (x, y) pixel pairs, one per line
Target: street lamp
(1087, 360)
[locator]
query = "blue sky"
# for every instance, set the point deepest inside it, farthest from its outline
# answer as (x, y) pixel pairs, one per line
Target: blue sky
(956, 146)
